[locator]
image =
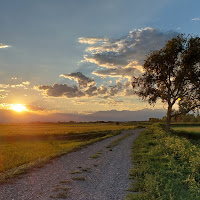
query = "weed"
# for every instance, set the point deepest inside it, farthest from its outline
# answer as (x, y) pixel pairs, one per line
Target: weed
(61, 195)
(95, 156)
(65, 182)
(86, 169)
(61, 188)
(75, 172)
(80, 178)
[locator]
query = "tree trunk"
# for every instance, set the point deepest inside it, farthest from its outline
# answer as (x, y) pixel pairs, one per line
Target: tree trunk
(168, 121)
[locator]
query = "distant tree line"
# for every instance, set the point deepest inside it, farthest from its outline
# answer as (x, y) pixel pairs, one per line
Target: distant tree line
(186, 118)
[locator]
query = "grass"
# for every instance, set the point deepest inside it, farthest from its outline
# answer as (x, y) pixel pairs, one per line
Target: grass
(194, 129)
(80, 178)
(65, 182)
(60, 195)
(23, 146)
(86, 169)
(192, 132)
(42, 129)
(117, 141)
(166, 167)
(75, 172)
(97, 155)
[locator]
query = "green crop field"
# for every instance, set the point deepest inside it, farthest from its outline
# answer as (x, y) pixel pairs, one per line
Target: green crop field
(28, 145)
(51, 128)
(195, 129)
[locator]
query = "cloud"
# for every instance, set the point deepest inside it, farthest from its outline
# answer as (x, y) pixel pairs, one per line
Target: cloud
(196, 19)
(20, 85)
(90, 88)
(2, 96)
(26, 83)
(92, 40)
(81, 79)
(34, 108)
(102, 90)
(4, 85)
(2, 46)
(61, 90)
(132, 69)
(124, 56)
(115, 58)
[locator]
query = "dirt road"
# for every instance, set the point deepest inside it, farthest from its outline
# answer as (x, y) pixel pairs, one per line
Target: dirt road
(93, 173)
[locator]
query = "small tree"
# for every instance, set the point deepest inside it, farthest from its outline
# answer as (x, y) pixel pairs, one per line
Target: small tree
(172, 74)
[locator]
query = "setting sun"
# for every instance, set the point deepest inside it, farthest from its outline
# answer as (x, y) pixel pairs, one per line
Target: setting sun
(18, 107)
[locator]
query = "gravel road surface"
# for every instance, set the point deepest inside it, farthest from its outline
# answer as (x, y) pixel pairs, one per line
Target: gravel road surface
(92, 173)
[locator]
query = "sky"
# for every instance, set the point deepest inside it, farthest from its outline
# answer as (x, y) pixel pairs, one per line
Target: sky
(80, 56)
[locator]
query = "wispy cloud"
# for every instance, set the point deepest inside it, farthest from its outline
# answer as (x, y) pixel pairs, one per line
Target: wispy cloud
(4, 46)
(196, 19)
(92, 40)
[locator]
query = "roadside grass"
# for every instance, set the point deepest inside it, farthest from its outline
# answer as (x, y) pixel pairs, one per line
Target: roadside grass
(19, 156)
(166, 167)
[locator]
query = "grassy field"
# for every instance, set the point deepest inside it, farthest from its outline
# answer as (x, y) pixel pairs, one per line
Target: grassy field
(53, 129)
(194, 129)
(166, 166)
(28, 145)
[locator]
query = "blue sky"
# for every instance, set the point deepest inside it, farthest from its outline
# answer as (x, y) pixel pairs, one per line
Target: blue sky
(50, 38)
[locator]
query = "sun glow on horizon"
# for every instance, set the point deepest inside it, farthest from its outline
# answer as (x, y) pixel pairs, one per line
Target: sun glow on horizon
(18, 107)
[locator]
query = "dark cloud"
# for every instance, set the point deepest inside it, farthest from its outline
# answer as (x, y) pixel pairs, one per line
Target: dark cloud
(123, 56)
(81, 79)
(90, 90)
(61, 90)
(102, 90)
(125, 72)
(117, 58)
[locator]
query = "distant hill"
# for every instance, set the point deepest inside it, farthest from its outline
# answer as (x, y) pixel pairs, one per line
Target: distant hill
(8, 116)
(125, 115)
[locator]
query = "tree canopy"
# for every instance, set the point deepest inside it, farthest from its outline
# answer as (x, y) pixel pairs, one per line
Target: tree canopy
(172, 74)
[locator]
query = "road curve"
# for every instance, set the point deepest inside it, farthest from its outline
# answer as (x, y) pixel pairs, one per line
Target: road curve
(92, 173)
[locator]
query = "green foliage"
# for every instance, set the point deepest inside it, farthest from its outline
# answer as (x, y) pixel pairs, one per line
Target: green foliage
(191, 118)
(166, 166)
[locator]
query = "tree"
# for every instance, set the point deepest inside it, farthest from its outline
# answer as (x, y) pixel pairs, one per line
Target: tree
(172, 74)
